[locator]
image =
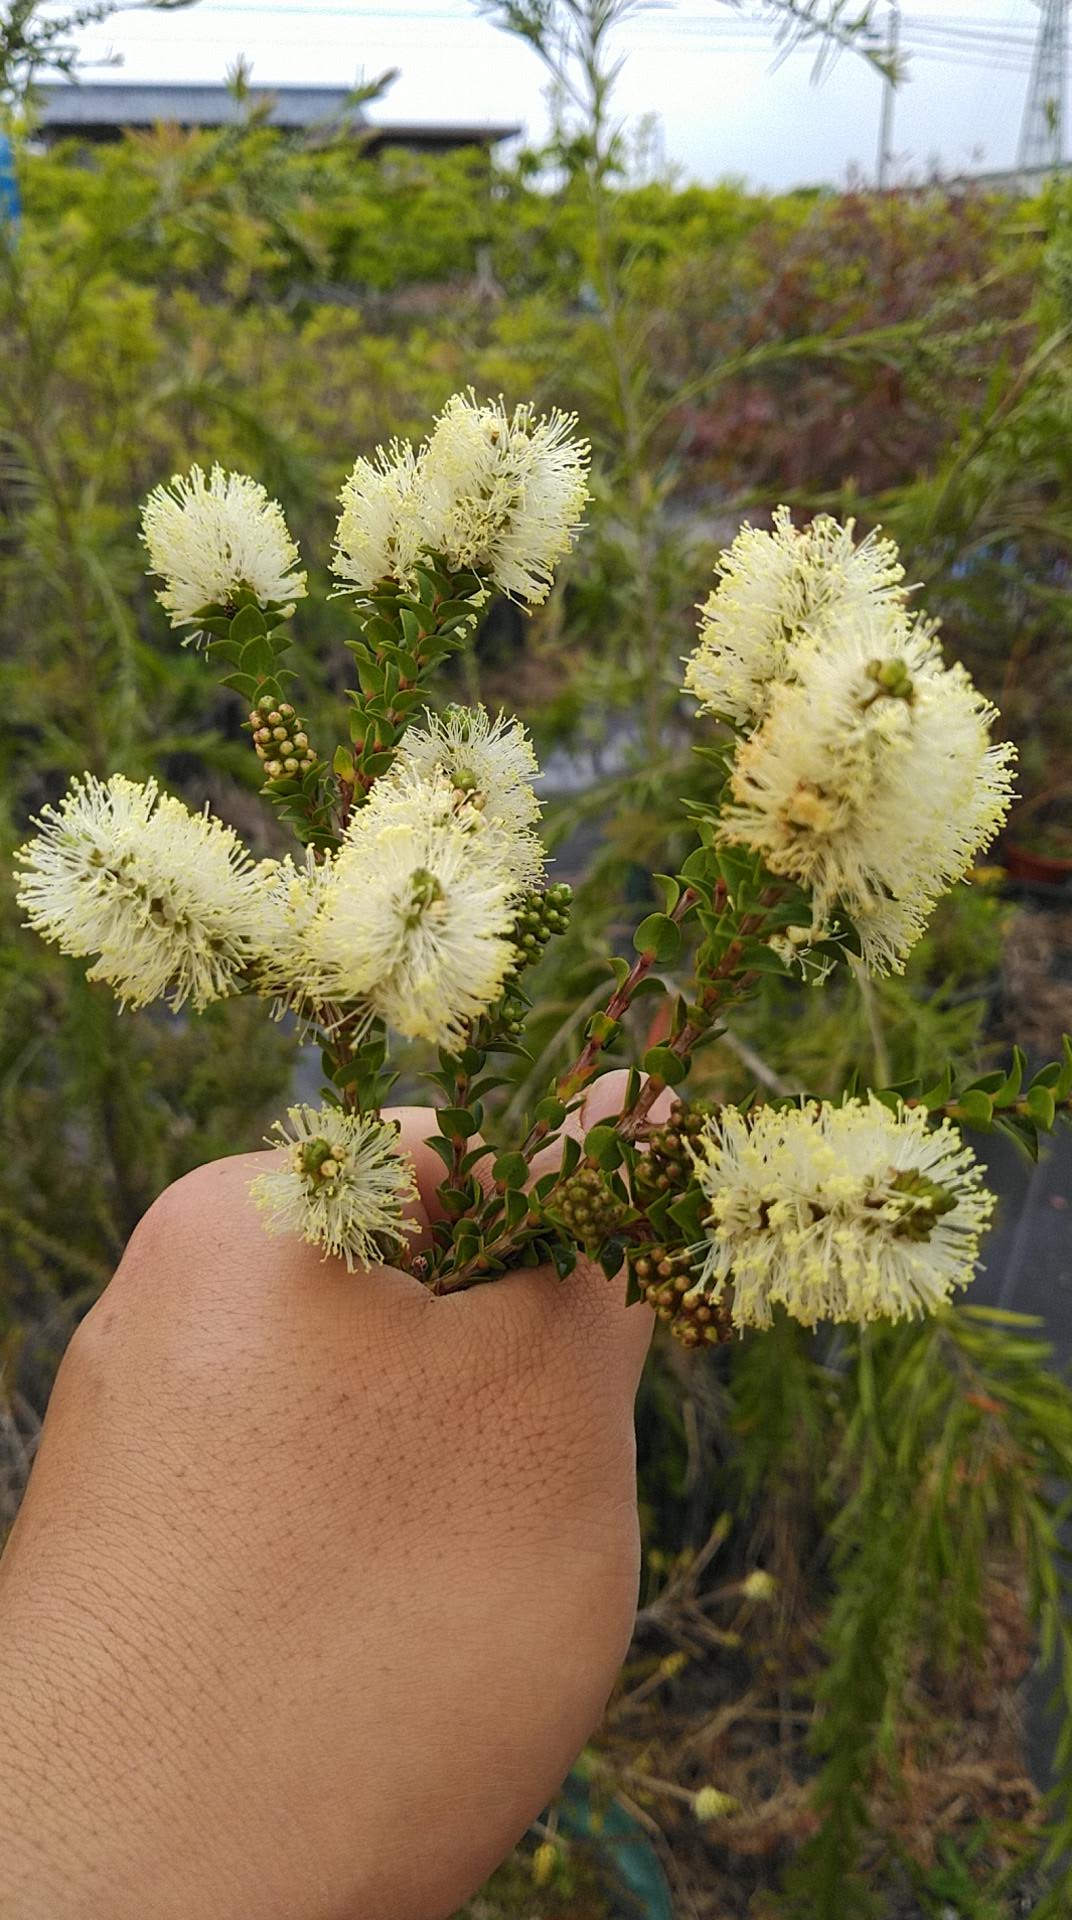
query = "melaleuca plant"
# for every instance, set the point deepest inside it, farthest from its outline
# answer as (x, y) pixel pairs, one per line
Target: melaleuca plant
(851, 780)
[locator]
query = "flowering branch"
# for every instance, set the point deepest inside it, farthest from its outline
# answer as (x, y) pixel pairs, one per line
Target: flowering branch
(855, 784)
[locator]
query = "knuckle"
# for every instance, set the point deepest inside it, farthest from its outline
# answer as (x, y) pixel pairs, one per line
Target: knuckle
(206, 1211)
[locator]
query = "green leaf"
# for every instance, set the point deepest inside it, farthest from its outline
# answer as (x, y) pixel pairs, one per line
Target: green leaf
(457, 1123)
(244, 683)
(571, 1154)
(610, 1257)
(1013, 1080)
(987, 1082)
(1041, 1106)
(737, 867)
(511, 1169)
(370, 674)
(342, 763)
(975, 1108)
(444, 1149)
(666, 1065)
(515, 1207)
(349, 1071)
(550, 1113)
(701, 868)
(466, 1242)
(940, 1094)
(473, 1158)
(650, 988)
(248, 624)
(563, 1258)
(669, 888)
(603, 1029)
(257, 657)
(659, 935)
(603, 1145)
(687, 1213)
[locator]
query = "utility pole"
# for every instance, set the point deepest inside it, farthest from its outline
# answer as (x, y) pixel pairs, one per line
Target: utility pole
(1042, 131)
(885, 125)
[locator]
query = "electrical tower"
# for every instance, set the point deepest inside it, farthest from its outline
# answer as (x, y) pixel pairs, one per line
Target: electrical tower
(1042, 132)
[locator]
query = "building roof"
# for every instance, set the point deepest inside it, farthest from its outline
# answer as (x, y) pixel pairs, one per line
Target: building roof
(1025, 180)
(103, 110)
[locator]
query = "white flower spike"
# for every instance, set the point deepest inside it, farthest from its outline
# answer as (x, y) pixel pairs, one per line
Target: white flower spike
(169, 900)
(489, 767)
(777, 589)
(872, 782)
(503, 494)
(380, 531)
(343, 1184)
(838, 1213)
(292, 897)
(207, 537)
(417, 920)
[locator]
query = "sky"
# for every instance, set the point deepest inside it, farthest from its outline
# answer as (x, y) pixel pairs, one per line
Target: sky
(704, 70)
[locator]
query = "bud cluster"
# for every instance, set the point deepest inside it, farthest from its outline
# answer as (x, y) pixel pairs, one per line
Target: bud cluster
(280, 740)
(588, 1208)
(890, 677)
(668, 1282)
(667, 1166)
(543, 913)
(318, 1161)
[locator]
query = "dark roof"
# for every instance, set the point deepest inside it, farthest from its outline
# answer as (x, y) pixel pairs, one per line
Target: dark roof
(102, 110)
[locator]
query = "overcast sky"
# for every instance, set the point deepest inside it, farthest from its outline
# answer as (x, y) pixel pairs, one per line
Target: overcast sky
(703, 69)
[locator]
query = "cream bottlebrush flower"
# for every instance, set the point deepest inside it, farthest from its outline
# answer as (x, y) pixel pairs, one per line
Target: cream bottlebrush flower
(292, 896)
(489, 766)
(208, 537)
(503, 493)
(169, 900)
(417, 918)
(872, 782)
(776, 589)
(343, 1184)
(838, 1213)
(491, 761)
(380, 531)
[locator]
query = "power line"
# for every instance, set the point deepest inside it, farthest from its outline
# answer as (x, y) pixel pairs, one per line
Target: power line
(659, 24)
(949, 40)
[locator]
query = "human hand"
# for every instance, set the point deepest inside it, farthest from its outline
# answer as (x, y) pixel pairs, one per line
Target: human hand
(320, 1583)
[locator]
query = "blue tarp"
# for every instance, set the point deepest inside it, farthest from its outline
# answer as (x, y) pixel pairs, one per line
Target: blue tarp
(9, 186)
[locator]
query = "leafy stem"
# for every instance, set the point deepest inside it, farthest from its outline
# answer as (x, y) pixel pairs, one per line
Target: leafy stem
(604, 1025)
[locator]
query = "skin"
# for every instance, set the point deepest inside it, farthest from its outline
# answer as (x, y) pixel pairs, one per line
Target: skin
(320, 1583)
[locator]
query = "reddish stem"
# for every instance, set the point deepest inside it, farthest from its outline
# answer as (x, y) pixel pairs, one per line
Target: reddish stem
(569, 1084)
(714, 993)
